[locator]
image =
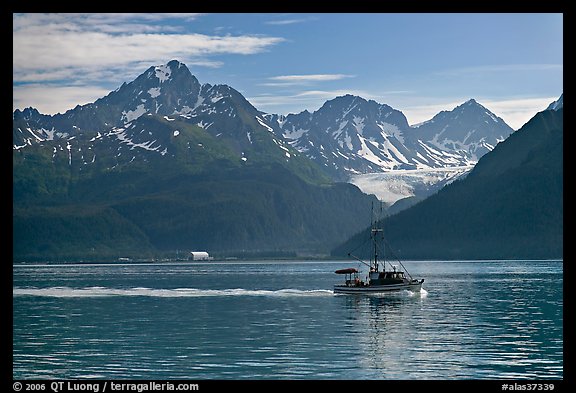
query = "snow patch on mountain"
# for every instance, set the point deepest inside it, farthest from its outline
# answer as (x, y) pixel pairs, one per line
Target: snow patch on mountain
(391, 130)
(98, 136)
(216, 98)
(366, 153)
(263, 124)
(204, 125)
(37, 136)
(134, 114)
(350, 109)
(294, 133)
(163, 72)
(347, 140)
(398, 156)
(69, 148)
(121, 134)
(154, 92)
(358, 123)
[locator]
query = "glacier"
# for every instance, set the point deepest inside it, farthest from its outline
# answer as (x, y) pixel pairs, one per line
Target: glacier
(392, 186)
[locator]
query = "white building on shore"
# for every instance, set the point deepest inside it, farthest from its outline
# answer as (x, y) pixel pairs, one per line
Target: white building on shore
(200, 256)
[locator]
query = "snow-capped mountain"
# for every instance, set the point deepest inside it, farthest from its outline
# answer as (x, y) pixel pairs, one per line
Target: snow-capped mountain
(167, 112)
(350, 136)
(162, 90)
(469, 130)
(148, 115)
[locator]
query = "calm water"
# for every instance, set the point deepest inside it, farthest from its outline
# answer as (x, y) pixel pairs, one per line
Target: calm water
(473, 320)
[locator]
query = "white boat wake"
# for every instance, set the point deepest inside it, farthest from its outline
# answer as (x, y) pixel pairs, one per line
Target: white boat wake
(89, 292)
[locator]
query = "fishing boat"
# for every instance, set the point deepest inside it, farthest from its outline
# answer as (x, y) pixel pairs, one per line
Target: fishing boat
(380, 278)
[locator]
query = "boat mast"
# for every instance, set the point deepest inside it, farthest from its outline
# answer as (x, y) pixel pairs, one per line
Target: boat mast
(374, 231)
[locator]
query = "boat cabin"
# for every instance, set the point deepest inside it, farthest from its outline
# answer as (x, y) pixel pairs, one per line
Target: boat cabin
(351, 277)
(387, 277)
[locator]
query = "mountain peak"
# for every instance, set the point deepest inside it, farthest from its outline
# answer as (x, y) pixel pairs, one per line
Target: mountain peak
(343, 100)
(470, 129)
(474, 106)
(470, 104)
(166, 72)
(175, 63)
(26, 114)
(558, 104)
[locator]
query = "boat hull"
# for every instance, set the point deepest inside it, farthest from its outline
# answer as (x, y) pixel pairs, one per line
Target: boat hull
(414, 286)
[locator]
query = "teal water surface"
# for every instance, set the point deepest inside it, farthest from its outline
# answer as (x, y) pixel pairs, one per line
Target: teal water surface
(280, 320)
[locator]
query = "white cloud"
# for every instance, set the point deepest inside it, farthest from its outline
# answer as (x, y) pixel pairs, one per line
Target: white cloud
(53, 99)
(329, 94)
(290, 21)
(118, 22)
(49, 46)
(205, 63)
(89, 49)
(310, 100)
(419, 113)
(84, 50)
(381, 97)
(517, 111)
(286, 21)
(310, 78)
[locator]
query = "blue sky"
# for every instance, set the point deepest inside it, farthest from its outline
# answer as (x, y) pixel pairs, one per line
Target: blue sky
(286, 63)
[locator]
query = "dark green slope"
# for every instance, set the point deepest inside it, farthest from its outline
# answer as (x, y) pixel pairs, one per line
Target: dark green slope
(509, 206)
(247, 209)
(75, 232)
(100, 199)
(254, 209)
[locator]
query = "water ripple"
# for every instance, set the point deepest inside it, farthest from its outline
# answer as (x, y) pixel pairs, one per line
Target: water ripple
(481, 320)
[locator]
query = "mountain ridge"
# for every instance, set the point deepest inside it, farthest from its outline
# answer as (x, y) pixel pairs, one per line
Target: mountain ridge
(350, 135)
(174, 167)
(347, 135)
(510, 206)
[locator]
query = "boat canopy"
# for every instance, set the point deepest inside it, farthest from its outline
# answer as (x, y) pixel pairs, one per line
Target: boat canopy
(349, 270)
